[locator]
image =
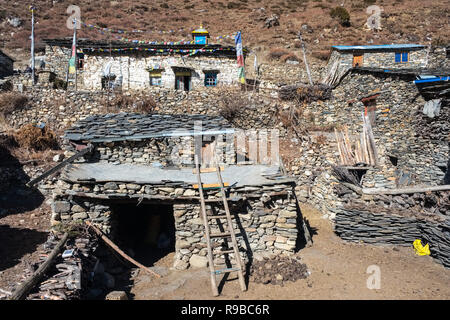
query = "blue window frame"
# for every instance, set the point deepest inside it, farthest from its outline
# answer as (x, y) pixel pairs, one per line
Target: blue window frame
(210, 79)
(401, 57)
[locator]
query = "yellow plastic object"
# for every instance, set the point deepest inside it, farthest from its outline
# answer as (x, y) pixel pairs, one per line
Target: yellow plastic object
(420, 249)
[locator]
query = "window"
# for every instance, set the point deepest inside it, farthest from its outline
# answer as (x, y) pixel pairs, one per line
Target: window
(108, 82)
(358, 60)
(210, 79)
(155, 78)
(401, 57)
(80, 60)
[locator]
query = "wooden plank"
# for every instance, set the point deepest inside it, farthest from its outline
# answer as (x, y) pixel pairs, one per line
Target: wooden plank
(89, 148)
(206, 170)
(406, 190)
(211, 185)
(339, 146)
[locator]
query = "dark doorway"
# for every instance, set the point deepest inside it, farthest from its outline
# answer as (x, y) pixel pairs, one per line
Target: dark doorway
(146, 232)
(183, 83)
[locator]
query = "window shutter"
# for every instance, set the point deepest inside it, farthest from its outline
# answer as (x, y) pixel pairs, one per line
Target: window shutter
(398, 57)
(404, 56)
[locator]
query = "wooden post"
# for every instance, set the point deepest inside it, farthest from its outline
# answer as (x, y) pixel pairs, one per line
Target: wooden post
(29, 284)
(304, 58)
(32, 46)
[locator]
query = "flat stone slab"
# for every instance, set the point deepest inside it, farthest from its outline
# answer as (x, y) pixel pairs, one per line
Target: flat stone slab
(236, 175)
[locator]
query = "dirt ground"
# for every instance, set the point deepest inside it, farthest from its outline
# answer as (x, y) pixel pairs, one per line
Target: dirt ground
(21, 237)
(338, 271)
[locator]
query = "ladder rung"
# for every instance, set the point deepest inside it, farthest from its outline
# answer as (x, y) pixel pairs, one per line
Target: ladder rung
(221, 235)
(225, 252)
(226, 270)
(223, 216)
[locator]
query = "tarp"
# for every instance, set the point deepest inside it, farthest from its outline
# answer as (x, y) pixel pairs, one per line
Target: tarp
(432, 108)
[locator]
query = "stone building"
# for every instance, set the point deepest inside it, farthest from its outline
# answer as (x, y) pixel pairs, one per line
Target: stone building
(6, 65)
(393, 56)
(184, 66)
(138, 185)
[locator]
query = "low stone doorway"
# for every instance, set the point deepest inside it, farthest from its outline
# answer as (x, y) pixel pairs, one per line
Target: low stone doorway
(146, 232)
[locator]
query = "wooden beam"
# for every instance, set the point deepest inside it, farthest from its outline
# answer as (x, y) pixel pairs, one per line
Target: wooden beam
(113, 246)
(211, 185)
(89, 148)
(405, 190)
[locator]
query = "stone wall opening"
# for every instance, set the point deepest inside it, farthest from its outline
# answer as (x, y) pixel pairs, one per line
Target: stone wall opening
(145, 231)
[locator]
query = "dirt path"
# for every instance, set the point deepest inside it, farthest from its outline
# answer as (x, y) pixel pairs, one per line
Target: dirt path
(338, 271)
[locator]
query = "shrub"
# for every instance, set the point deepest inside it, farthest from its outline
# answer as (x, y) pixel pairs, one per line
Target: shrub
(146, 105)
(290, 56)
(322, 54)
(342, 15)
(277, 53)
(32, 137)
(11, 101)
(59, 84)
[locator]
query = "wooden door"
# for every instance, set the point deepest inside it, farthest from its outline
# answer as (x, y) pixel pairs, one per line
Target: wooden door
(358, 60)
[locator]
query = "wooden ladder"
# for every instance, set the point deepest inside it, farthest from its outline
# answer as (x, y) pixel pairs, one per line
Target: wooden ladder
(224, 235)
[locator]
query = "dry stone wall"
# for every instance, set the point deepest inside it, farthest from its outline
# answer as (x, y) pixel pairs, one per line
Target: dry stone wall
(175, 151)
(398, 220)
(60, 109)
(267, 220)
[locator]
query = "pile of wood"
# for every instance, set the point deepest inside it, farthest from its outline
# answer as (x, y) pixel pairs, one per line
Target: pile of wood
(66, 277)
(361, 151)
(303, 92)
(72, 267)
(278, 269)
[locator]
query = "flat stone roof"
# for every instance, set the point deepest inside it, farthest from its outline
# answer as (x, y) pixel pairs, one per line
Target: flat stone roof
(235, 175)
(135, 126)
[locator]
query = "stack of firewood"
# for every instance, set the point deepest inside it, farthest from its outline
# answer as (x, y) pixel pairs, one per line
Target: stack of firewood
(73, 264)
(361, 151)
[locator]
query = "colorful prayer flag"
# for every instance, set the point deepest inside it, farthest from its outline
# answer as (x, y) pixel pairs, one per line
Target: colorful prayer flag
(72, 59)
(240, 57)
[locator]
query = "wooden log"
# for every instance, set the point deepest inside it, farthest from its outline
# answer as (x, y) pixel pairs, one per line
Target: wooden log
(60, 165)
(117, 249)
(405, 190)
(29, 284)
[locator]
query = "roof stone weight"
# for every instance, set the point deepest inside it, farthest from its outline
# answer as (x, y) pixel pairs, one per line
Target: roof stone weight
(135, 126)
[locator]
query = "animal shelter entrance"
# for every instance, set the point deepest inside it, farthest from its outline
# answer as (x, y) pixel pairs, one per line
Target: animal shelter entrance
(146, 232)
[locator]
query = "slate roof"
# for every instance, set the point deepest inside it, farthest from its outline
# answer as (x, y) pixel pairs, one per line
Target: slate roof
(135, 126)
(380, 47)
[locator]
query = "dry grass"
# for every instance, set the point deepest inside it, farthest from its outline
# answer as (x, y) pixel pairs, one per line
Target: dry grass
(11, 101)
(32, 137)
(140, 103)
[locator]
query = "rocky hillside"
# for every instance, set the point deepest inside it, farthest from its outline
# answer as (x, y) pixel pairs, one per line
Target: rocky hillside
(265, 24)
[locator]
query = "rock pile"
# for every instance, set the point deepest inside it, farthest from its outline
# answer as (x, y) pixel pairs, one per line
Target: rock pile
(278, 269)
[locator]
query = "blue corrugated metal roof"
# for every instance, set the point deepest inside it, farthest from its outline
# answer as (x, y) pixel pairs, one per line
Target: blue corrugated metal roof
(379, 47)
(434, 79)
